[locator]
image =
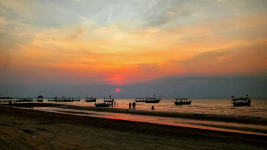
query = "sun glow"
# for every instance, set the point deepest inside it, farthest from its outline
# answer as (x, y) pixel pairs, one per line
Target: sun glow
(118, 90)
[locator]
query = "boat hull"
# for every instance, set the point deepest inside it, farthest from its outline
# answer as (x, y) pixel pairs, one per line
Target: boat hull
(139, 101)
(102, 105)
(242, 103)
(93, 100)
(157, 101)
(183, 103)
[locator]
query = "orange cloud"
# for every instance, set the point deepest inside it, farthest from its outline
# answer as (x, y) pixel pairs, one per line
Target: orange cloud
(118, 57)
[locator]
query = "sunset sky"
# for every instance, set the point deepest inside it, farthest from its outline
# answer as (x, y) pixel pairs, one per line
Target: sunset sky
(54, 47)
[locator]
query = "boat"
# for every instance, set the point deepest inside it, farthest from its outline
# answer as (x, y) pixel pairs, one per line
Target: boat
(148, 100)
(63, 99)
(102, 105)
(152, 100)
(76, 99)
(182, 101)
(91, 99)
(109, 100)
(139, 100)
(241, 101)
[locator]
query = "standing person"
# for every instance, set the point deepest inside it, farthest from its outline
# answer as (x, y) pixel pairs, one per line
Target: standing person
(152, 107)
(130, 105)
(134, 105)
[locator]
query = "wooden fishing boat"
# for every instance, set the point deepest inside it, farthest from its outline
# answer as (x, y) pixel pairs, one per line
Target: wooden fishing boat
(109, 100)
(139, 100)
(148, 100)
(152, 100)
(76, 99)
(91, 99)
(182, 101)
(241, 101)
(63, 99)
(102, 105)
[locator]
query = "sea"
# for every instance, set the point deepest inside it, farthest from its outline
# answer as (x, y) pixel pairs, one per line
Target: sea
(218, 106)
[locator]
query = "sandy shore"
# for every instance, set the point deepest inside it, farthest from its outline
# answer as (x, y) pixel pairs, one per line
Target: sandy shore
(29, 129)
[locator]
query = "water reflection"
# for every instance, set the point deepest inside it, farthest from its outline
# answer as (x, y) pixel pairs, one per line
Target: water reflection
(210, 125)
(258, 107)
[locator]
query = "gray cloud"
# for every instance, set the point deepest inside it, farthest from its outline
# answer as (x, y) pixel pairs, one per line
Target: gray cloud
(157, 19)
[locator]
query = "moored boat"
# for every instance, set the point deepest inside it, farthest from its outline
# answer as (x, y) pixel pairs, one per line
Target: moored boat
(241, 101)
(148, 99)
(152, 100)
(63, 99)
(91, 99)
(139, 100)
(76, 99)
(109, 100)
(102, 105)
(182, 101)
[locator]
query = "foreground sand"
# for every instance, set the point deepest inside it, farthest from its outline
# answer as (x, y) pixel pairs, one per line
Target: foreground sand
(29, 129)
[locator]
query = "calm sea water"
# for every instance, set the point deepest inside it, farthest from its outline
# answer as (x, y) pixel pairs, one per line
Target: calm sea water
(258, 107)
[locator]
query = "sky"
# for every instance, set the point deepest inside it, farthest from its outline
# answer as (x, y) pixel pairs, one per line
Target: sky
(173, 48)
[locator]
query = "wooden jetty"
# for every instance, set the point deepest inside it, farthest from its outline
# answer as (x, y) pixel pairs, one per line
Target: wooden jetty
(63, 99)
(24, 100)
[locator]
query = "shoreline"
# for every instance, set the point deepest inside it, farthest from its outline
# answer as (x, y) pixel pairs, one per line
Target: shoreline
(193, 116)
(157, 131)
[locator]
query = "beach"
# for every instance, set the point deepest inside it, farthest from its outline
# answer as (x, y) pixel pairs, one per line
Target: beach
(31, 129)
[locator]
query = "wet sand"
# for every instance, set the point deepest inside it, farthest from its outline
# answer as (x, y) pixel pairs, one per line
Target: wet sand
(30, 129)
(208, 117)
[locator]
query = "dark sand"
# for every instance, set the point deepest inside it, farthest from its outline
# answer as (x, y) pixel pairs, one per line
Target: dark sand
(30, 129)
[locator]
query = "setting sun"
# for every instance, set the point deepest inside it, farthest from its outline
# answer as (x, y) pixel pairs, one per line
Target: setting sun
(117, 90)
